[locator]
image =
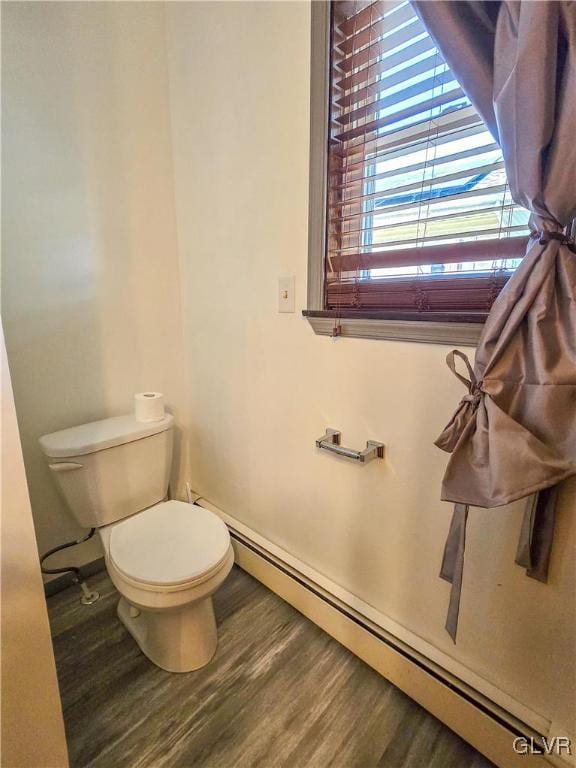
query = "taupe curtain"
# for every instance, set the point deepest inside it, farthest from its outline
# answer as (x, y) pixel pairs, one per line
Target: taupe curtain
(514, 432)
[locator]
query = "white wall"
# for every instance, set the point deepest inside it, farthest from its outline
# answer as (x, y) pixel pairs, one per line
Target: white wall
(263, 387)
(90, 277)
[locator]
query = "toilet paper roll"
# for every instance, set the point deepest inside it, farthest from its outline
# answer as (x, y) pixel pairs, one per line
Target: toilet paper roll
(149, 406)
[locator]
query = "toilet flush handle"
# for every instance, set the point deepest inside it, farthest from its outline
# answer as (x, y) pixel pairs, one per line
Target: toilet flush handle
(65, 466)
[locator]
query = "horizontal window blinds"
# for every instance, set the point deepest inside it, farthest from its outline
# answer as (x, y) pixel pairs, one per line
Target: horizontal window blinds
(419, 215)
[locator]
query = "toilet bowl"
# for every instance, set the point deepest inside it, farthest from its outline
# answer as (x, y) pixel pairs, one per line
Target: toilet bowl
(167, 562)
(166, 558)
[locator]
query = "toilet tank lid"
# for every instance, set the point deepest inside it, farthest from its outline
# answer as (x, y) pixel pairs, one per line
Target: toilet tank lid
(99, 435)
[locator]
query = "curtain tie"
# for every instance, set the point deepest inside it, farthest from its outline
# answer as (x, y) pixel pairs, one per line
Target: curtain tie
(544, 237)
(537, 533)
(467, 406)
(452, 568)
(533, 553)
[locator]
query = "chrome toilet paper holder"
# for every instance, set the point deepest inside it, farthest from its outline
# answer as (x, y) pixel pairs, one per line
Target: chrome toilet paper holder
(330, 441)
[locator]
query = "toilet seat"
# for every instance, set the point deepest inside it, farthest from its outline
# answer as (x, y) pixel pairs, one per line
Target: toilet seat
(169, 546)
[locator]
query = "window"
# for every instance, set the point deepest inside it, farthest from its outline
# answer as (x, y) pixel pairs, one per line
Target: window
(418, 219)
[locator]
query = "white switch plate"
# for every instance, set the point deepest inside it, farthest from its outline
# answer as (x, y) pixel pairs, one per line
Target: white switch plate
(286, 291)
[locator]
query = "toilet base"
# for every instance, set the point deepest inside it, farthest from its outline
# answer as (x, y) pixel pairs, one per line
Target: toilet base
(175, 640)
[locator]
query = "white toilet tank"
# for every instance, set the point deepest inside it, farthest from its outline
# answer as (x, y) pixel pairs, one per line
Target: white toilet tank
(110, 469)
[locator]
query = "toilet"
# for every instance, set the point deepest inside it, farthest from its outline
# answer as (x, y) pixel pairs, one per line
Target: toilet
(165, 558)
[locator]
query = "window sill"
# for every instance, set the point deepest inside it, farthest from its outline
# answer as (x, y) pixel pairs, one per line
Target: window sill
(421, 331)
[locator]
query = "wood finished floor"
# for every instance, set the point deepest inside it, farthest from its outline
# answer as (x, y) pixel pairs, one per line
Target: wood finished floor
(280, 692)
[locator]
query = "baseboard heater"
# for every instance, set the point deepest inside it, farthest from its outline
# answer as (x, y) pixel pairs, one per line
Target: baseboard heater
(479, 721)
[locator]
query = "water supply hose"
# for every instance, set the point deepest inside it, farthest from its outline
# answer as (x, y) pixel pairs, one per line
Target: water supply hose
(88, 596)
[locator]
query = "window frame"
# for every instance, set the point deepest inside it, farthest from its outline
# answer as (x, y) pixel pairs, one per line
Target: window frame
(360, 324)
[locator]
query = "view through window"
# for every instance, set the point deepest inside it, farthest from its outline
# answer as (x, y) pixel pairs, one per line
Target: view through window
(419, 213)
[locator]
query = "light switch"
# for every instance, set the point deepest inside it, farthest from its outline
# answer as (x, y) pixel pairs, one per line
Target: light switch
(286, 290)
